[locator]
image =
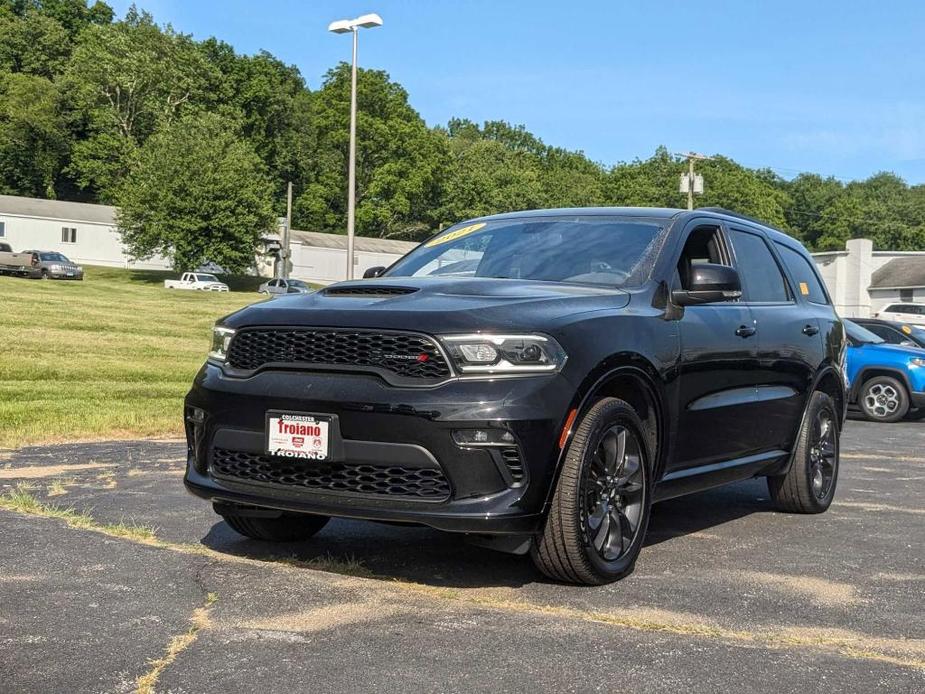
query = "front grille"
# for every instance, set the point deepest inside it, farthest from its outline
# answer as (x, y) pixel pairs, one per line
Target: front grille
(385, 480)
(406, 355)
(368, 291)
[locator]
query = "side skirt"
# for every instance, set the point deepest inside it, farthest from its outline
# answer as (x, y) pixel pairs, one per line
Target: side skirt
(697, 479)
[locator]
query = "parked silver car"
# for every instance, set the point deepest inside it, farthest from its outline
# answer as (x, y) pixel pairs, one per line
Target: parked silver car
(53, 265)
(280, 286)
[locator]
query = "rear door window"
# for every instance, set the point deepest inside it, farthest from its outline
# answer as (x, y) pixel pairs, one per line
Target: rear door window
(807, 281)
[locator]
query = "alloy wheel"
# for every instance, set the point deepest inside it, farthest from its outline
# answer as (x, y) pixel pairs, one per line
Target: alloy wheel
(882, 400)
(614, 486)
(823, 454)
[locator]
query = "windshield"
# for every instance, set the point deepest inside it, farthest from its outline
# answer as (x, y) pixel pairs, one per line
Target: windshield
(608, 251)
(859, 335)
(207, 278)
(54, 257)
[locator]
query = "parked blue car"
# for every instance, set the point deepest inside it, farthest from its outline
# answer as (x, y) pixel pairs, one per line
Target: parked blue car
(885, 380)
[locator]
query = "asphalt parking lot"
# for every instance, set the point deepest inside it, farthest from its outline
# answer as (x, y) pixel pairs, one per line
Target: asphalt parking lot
(728, 595)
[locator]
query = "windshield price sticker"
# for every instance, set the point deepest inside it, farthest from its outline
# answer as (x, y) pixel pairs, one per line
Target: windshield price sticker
(453, 235)
(297, 436)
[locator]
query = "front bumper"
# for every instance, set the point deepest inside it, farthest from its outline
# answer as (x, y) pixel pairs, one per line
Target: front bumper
(59, 274)
(381, 426)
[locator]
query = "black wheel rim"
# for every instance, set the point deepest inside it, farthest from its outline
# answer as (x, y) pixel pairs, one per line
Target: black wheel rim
(823, 454)
(614, 489)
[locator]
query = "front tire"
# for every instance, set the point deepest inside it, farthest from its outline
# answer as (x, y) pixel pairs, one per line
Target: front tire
(884, 399)
(599, 514)
(809, 485)
(284, 528)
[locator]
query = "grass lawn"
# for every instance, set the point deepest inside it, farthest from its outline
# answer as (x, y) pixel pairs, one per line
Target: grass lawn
(109, 357)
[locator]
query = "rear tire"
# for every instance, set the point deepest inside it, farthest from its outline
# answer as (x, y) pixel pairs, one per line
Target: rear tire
(600, 510)
(281, 529)
(809, 485)
(883, 399)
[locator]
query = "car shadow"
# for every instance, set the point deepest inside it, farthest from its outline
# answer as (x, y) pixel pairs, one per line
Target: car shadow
(423, 555)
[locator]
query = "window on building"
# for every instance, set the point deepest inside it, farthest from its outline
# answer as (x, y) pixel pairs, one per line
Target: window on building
(2, 229)
(68, 235)
(904, 294)
(761, 277)
(808, 283)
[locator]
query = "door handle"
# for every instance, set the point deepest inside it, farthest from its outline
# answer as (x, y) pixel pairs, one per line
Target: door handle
(746, 330)
(810, 330)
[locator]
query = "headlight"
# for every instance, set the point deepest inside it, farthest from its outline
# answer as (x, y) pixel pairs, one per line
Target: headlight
(917, 361)
(504, 354)
(221, 338)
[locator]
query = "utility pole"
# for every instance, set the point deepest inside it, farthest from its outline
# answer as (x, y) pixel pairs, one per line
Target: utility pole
(692, 183)
(285, 252)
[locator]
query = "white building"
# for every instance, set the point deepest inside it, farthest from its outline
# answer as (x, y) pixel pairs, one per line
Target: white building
(862, 280)
(87, 234)
(83, 232)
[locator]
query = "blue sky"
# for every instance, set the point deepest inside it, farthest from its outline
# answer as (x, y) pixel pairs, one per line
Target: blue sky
(836, 88)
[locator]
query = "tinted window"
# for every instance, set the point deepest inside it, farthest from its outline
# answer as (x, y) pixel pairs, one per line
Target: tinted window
(804, 275)
(760, 275)
(610, 251)
(892, 336)
(903, 308)
(858, 335)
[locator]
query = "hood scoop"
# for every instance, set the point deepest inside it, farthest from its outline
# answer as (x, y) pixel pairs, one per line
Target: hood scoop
(368, 290)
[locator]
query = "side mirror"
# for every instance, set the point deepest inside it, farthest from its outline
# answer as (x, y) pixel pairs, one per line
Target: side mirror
(373, 272)
(709, 284)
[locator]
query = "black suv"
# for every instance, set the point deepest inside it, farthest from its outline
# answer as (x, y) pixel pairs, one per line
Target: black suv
(535, 380)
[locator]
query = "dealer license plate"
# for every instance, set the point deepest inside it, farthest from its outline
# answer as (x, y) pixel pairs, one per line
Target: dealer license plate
(298, 435)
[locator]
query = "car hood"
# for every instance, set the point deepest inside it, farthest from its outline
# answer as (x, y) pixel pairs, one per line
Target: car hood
(430, 304)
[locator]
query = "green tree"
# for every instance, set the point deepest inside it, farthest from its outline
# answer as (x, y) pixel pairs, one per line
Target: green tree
(37, 36)
(652, 182)
(271, 101)
(124, 81)
(399, 160)
(197, 193)
(486, 176)
(33, 137)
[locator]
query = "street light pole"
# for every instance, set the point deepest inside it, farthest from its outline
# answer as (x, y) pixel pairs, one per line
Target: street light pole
(367, 21)
(352, 163)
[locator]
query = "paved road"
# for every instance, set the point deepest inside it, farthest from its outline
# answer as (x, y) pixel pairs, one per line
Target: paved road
(728, 595)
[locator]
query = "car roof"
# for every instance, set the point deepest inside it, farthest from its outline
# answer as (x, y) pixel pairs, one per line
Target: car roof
(905, 303)
(647, 213)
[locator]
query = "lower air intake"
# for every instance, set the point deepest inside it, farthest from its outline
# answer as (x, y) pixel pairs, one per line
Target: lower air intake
(386, 480)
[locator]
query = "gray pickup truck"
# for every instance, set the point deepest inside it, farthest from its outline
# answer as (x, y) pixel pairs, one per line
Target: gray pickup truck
(15, 263)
